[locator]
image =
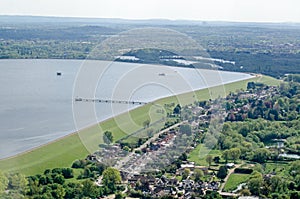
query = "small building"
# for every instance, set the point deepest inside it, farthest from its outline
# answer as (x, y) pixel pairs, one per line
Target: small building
(230, 165)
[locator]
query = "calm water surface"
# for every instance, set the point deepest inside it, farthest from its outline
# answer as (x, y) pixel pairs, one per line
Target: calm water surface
(37, 106)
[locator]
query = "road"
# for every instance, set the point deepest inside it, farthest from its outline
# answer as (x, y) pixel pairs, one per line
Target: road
(155, 136)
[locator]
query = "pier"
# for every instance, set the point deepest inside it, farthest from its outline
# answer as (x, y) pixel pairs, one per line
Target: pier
(79, 99)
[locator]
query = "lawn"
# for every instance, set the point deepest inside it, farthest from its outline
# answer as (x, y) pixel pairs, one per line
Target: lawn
(268, 80)
(62, 152)
(281, 168)
(199, 154)
(234, 180)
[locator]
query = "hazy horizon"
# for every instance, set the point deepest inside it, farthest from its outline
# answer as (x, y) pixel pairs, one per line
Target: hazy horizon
(195, 10)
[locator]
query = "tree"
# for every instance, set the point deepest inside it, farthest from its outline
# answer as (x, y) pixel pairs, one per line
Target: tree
(186, 173)
(183, 157)
(120, 195)
(126, 148)
(222, 173)
(278, 184)
(59, 179)
(3, 182)
(33, 186)
(212, 195)
(108, 137)
(146, 123)
(295, 168)
(295, 195)
(261, 155)
(209, 160)
(111, 177)
(59, 192)
(226, 155)
(245, 192)
(235, 153)
(198, 174)
(244, 130)
(255, 183)
(67, 173)
(89, 189)
(177, 109)
(18, 182)
(186, 129)
(86, 173)
(216, 159)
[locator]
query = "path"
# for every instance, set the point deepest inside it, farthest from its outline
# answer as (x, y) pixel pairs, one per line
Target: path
(225, 180)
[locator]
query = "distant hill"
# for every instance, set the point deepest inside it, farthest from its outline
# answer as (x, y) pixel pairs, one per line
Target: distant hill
(21, 19)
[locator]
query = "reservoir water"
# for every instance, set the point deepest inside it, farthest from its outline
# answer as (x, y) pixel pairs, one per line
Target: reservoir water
(37, 105)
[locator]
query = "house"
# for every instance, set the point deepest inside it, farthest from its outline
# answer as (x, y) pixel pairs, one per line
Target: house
(230, 165)
(92, 158)
(189, 165)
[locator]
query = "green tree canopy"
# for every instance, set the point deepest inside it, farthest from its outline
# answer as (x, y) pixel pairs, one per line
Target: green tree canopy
(111, 177)
(295, 168)
(198, 174)
(186, 129)
(209, 160)
(222, 173)
(3, 182)
(186, 173)
(177, 109)
(261, 155)
(108, 137)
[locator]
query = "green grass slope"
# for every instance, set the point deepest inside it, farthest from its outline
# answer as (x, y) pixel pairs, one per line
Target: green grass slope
(62, 152)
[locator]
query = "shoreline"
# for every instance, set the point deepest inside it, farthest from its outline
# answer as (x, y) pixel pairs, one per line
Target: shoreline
(77, 132)
(60, 153)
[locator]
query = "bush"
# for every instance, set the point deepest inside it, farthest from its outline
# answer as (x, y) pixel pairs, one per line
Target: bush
(67, 173)
(243, 170)
(222, 173)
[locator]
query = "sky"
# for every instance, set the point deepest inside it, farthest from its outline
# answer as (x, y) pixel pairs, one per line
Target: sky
(203, 10)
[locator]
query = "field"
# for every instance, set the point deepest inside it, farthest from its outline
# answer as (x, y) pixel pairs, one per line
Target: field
(234, 180)
(62, 152)
(199, 154)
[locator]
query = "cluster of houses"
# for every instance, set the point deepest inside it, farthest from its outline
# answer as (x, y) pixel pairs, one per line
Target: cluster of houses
(164, 140)
(109, 155)
(158, 187)
(151, 155)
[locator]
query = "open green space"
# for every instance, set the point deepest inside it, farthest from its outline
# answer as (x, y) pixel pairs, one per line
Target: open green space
(62, 152)
(234, 180)
(280, 168)
(199, 154)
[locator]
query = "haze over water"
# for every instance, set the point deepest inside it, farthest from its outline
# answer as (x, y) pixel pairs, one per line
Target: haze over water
(36, 104)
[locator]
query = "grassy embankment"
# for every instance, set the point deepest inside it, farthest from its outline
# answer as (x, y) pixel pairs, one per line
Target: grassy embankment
(62, 152)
